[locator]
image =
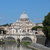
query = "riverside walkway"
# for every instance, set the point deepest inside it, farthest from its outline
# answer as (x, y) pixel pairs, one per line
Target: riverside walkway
(38, 46)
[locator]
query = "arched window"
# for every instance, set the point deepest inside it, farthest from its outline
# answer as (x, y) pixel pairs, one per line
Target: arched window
(23, 31)
(28, 30)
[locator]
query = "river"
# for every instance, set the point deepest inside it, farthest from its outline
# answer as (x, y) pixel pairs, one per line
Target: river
(13, 46)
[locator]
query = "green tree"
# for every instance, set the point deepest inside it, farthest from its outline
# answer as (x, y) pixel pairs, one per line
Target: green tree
(46, 24)
(46, 28)
(6, 24)
(36, 27)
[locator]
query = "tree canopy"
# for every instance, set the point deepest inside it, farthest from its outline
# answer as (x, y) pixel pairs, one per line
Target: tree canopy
(6, 24)
(46, 24)
(36, 27)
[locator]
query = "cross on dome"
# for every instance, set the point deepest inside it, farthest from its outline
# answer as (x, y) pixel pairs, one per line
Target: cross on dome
(24, 12)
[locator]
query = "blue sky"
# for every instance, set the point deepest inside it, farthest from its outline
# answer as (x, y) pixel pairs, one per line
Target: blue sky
(10, 10)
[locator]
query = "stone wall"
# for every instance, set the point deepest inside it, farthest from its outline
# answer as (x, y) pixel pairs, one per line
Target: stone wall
(41, 39)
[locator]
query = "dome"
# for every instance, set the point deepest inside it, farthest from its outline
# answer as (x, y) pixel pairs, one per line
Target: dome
(24, 16)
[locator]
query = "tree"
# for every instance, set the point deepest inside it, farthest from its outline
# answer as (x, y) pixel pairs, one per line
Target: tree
(6, 24)
(46, 28)
(36, 27)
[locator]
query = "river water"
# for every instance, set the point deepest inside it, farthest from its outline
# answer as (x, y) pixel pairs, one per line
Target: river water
(13, 46)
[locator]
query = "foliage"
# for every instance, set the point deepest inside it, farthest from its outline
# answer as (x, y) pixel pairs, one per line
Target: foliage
(26, 43)
(2, 41)
(36, 27)
(6, 24)
(11, 40)
(46, 24)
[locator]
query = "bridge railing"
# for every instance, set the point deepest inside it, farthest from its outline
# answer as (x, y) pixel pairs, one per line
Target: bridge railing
(17, 34)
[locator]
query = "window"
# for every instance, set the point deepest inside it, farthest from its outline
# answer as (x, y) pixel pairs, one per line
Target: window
(24, 31)
(36, 33)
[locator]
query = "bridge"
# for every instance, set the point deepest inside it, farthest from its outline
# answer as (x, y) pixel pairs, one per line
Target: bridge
(31, 37)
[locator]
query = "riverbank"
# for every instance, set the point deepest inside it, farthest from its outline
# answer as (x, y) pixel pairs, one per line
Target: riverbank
(26, 44)
(35, 46)
(38, 46)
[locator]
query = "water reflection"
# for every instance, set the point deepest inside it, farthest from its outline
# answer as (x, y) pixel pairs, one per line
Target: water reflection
(24, 48)
(13, 46)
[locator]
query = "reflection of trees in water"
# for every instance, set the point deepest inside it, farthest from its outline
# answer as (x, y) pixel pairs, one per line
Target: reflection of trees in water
(10, 46)
(13, 47)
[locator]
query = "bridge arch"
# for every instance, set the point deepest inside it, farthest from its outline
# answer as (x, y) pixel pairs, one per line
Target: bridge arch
(27, 39)
(31, 38)
(10, 39)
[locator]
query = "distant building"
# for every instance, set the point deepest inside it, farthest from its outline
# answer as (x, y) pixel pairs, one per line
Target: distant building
(22, 25)
(39, 24)
(1, 28)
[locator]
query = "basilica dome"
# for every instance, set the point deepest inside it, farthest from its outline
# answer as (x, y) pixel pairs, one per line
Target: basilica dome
(23, 16)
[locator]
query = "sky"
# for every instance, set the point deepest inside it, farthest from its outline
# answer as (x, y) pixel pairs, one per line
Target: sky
(10, 10)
